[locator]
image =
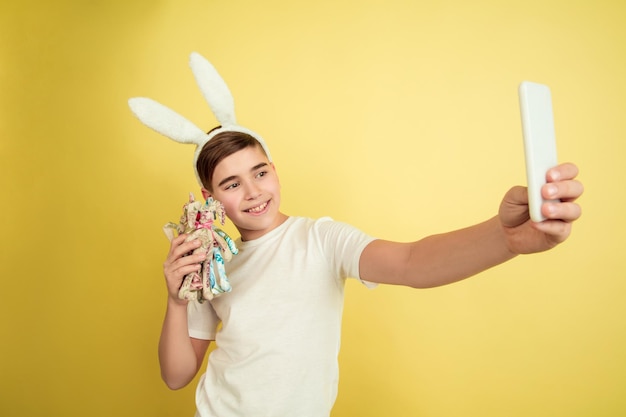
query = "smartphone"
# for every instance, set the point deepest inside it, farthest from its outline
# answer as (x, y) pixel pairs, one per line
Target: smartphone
(539, 141)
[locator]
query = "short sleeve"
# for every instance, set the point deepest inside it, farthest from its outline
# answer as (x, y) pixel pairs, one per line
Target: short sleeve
(202, 321)
(343, 245)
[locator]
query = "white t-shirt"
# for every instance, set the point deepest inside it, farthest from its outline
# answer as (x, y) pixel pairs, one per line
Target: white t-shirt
(277, 348)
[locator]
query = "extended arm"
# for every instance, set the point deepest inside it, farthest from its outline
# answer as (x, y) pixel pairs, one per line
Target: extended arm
(436, 260)
(449, 257)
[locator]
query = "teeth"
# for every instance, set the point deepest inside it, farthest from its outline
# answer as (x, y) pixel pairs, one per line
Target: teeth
(257, 209)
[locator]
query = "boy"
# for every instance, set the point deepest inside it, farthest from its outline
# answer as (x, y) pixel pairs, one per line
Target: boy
(276, 351)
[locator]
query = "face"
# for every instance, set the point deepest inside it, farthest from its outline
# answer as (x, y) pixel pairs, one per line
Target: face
(247, 184)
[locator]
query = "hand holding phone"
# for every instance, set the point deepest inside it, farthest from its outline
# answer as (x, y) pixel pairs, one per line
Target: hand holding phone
(539, 141)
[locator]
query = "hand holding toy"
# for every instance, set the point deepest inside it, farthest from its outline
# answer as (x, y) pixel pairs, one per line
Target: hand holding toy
(197, 221)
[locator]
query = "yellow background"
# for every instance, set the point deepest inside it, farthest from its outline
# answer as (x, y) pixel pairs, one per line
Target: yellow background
(400, 117)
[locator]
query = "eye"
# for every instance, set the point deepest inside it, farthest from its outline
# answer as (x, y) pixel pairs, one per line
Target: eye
(261, 174)
(231, 186)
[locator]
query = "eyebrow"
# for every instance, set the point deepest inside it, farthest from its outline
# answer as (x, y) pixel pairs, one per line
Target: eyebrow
(232, 177)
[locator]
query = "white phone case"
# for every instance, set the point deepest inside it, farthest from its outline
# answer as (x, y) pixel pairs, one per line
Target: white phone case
(539, 141)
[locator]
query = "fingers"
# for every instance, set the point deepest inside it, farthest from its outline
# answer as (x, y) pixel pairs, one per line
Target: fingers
(563, 189)
(566, 171)
(181, 261)
(565, 211)
(556, 231)
(180, 246)
(561, 184)
(177, 257)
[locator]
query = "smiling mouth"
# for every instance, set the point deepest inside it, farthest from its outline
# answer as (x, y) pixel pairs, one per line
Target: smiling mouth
(257, 209)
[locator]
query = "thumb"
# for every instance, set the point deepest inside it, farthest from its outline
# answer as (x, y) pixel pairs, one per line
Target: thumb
(514, 207)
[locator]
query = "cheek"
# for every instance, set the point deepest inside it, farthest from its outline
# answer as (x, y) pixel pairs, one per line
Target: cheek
(274, 186)
(228, 203)
(277, 191)
(230, 207)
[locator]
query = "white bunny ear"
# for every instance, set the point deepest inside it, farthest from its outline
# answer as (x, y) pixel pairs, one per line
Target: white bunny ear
(166, 121)
(171, 124)
(214, 89)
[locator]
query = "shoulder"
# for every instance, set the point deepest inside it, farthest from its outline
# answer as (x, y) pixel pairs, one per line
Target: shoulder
(338, 236)
(327, 225)
(321, 226)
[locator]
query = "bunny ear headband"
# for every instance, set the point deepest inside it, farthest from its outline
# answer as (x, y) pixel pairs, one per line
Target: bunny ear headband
(171, 124)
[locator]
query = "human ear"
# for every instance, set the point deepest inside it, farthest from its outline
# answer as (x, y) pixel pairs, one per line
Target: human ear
(205, 193)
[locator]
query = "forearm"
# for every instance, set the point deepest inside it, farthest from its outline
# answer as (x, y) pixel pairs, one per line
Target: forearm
(438, 259)
(177, 357)
(446, 258)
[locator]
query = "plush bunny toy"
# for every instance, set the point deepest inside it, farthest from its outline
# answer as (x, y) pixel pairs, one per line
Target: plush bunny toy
(197, 221)
(211, 280)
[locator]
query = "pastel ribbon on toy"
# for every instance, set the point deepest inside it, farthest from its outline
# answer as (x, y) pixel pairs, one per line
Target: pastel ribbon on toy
(198, 220)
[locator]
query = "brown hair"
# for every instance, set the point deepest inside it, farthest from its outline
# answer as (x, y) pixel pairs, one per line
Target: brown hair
(219, 147)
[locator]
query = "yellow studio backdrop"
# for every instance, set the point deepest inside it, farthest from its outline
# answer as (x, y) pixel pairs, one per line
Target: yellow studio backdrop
(400, 117)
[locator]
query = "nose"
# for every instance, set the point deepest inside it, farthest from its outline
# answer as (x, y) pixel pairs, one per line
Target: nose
(252, 191)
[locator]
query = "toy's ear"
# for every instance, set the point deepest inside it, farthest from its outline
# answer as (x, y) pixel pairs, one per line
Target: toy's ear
(166, 121)
(214, 90)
